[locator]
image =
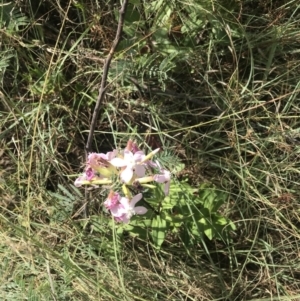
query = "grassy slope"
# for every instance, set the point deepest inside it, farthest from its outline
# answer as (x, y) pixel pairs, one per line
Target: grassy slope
(233, 120)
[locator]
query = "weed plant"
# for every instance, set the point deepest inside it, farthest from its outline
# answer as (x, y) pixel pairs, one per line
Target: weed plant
(214, 83)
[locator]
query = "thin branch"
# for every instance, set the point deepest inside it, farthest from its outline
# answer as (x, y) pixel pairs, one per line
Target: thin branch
(102, 89)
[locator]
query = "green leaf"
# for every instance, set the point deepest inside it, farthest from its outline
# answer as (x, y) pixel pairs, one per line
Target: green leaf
(137, 231)
(169, 202)
(196, 229)
(133, 21)
(161, 36)
(207, 228)
(159, 230)
(232, 225)
(132, 14)
(175, 220)
(157, 197)
(220, 220)
(209, 202)
(211, 198)
(66, 191)
(136, 2)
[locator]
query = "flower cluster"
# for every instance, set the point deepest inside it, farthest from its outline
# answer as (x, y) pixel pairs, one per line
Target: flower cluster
(130, 167)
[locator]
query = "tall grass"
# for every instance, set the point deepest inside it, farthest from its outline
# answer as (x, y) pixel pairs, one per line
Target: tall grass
(216, 83)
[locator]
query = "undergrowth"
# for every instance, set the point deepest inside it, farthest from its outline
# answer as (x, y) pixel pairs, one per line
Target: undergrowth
(215, 84)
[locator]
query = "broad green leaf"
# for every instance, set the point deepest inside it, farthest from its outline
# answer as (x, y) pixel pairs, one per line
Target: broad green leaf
(137, 221)
(209, 201)
(132, 14)
(180, 187)
(169, 202)
(220, 220)
(196, 229)
(159, 230)
(137, 231)
(211, 198)
(208, 228)
(175, 219)
(232, 225)
(156, 197)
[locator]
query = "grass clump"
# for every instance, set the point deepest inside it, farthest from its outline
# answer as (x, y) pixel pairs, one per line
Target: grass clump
(214, 83)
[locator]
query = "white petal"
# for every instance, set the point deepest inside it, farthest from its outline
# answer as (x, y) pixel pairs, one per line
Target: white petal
(128, 156)
(118, 162)
(125, 203)
(126, 174)
(80, 180)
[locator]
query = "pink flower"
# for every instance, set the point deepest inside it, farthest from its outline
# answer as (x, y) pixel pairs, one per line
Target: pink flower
(86, 177)
(89, 173)
(97, 158)
(99, 162)
(126, 209)
(131, 164)
(132, 146)
(90, 179)
(79, 181)
(112, 200)
(164, 177)
(135, 148)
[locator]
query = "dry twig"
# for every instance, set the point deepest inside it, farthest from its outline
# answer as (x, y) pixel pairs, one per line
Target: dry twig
(103, 86)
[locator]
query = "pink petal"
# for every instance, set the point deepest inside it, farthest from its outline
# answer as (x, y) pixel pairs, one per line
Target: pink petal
(167, 188)
(135, 199)
(92, 158)
(112, 200)
(151, 164)
(138, 156)
(135, 148)
(89, 174)
(140, 210)
(140, 170)
(111, 155)
(164, 177)
(124, 219)
(160, 178)
(117, 211)
(167, 174)
(117, 219)
(79, 180)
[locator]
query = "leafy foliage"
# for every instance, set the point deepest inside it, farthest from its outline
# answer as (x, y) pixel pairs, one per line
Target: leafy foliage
(192, 213)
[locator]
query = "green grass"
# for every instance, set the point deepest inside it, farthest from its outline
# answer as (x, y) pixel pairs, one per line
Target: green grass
(222, 85)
